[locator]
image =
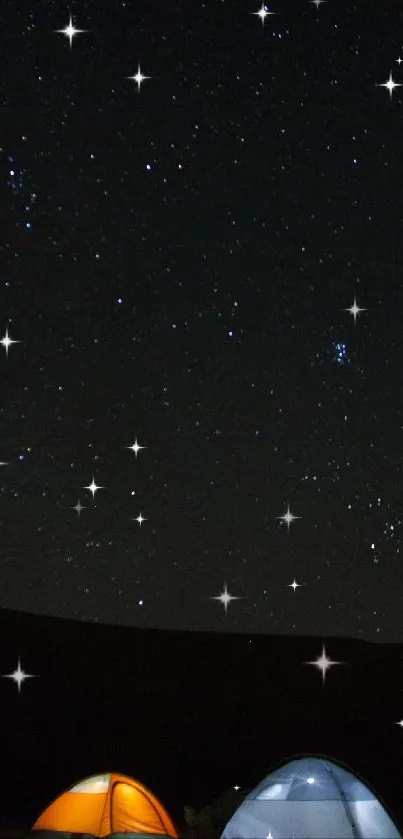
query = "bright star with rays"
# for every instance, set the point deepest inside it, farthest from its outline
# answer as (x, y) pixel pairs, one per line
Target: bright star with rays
(93, 488)
(139, 78)
(135, 447)
(294, 585)
(78, 507)
(7, 341)
(262, 13)
(355, 310)
(140, 519)
(70, 31)
(317, 3)
(288, 517)
(323, 663)
(19, 676)
(225, 598)
(390, 84)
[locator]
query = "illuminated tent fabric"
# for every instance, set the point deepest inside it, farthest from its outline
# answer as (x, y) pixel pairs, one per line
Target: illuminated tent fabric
(311, 797)
(105, 805)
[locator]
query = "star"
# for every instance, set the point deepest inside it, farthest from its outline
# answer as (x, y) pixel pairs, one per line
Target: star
(294, 585)
(93, 487)
(288, 517)
(262, 13)
(317, 3)
(78, 506)
(135, 447)
(323, 663)
(400, 723)
(399, 60)
(6, 341)
(70, 31)
(355, 310)
(19, 676)
(139, 78)
(225, 598)
(390, 84)
(140, 519)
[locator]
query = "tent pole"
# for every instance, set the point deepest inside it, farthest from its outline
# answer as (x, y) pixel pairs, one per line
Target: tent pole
(345, 802)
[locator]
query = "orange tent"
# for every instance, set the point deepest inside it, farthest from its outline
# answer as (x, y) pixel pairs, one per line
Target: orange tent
(105, 805)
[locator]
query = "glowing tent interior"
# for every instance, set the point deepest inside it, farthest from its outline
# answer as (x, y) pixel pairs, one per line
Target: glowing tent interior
(314, 797)
(105, 805)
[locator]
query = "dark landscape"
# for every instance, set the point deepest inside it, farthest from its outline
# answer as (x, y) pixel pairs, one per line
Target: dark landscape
(190, 715)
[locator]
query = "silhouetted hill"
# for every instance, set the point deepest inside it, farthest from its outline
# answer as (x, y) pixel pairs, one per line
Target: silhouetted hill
(188, 714)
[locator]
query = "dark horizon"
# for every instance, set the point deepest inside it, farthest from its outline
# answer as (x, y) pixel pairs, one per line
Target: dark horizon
(190, 715)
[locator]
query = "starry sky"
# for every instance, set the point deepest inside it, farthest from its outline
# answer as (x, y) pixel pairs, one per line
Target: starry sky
(200, 314)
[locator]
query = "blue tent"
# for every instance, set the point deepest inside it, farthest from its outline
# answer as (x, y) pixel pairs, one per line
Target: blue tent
(311, 798)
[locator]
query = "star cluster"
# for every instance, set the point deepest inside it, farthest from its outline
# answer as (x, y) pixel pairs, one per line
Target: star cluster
(201, 251)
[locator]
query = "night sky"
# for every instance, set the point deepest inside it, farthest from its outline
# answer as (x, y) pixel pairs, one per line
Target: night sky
(182, 260)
